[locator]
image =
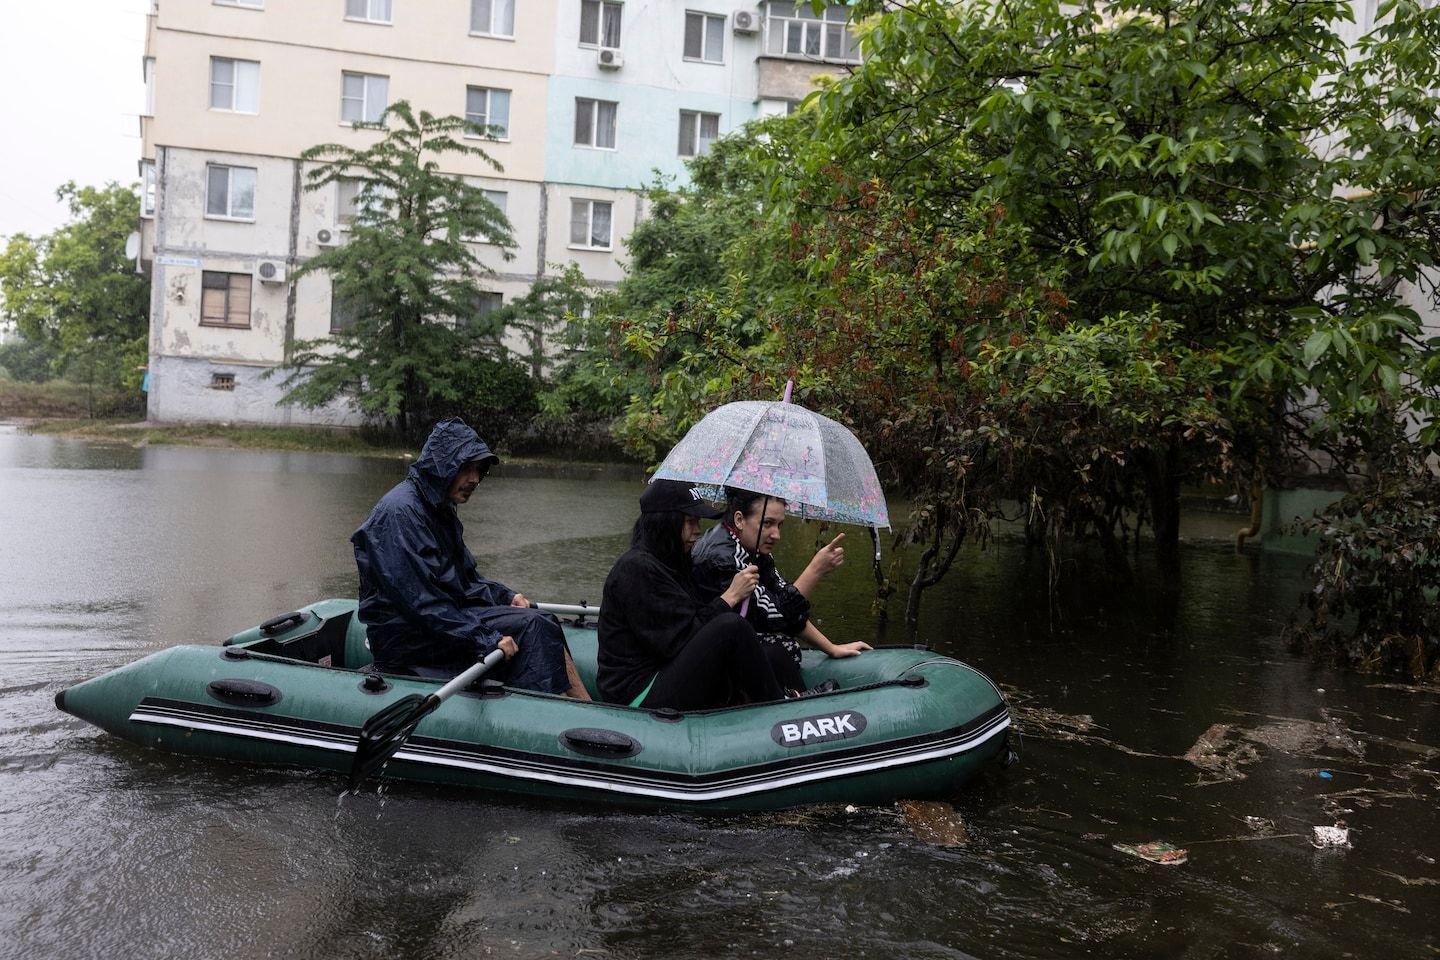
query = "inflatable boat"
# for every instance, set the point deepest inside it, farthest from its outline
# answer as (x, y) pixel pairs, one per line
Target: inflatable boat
(297, 689)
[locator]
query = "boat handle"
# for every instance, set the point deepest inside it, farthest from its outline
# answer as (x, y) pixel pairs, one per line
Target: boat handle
(243, 693)
(595, 742)
(281, 623)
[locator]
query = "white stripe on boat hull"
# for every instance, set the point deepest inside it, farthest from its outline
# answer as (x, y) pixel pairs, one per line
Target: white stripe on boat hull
(622, 781)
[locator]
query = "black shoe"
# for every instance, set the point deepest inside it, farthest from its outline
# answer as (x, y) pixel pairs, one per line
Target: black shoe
(824, 686)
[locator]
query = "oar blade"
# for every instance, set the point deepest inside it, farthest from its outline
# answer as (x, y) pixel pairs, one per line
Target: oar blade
(385, 732)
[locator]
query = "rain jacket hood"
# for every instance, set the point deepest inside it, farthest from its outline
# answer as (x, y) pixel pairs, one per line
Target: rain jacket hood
(450, 446)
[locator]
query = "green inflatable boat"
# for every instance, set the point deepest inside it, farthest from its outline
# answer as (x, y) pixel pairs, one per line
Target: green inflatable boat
(296, 690)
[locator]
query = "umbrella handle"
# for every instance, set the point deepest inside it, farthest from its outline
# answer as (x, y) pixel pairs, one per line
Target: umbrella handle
(875, 540)
(764, 505)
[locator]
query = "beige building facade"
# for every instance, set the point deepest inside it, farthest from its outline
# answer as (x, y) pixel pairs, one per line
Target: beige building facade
(594, 95)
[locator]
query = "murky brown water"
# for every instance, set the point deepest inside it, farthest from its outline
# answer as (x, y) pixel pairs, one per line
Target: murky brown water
(1149, 711)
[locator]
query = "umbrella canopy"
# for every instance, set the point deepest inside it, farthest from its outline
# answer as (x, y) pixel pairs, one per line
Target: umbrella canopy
(811, 462)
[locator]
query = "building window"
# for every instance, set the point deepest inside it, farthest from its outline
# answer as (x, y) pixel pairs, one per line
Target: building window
(234, 85)
(493, 18)
(252, 4)
(371, 11)
(490, 110)
(486, 303)
(230, 192)
(147, 188)
(590, 224)
(222, 381)
(342, 312)
(501, 200)
(224, 299)
(347, 201)
(697, 132)
(595, 123)
(599, 23)
(705, 37)
(793, 31)
(149, 87)
(352, 199)
(363, 97)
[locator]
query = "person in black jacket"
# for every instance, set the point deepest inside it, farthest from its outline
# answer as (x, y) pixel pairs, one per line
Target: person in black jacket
(659, 646)
(779, 611)
(426, 609)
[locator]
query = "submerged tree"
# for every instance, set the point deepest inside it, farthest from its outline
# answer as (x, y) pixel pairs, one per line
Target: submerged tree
(76, 292)
(1072, 258)
(416, 344)
(1235, 171)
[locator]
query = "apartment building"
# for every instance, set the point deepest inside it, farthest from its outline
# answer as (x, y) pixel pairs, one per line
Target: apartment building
(593, 96)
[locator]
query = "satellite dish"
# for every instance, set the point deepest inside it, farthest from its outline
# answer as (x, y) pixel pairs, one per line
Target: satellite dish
(132, 245)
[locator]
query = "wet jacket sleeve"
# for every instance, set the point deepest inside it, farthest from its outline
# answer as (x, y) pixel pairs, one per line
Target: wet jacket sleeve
(713, 571)
(406, 565)
(482, 592)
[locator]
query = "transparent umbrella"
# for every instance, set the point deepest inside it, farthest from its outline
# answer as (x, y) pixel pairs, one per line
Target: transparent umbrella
(782, 450)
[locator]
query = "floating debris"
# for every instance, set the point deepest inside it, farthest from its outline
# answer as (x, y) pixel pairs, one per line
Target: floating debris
(1220, 753)
(1224, 749)
(1336, 836)
(935, 823)
(1156, 851)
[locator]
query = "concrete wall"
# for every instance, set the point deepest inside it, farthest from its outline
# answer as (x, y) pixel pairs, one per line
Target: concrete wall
(183, 389)
(646, 136)
(652, 86)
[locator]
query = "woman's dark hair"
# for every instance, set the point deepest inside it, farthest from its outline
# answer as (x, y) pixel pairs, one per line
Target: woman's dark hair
(742, 501)
(659, 534)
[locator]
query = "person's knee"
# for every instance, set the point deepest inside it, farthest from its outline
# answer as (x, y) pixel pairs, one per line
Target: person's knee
(728, 631)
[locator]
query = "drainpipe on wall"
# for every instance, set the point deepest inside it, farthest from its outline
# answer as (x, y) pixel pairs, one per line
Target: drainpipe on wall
(157, 287)
(292, 260)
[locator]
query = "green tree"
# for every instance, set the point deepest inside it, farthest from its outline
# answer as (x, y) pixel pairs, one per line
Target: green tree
(1070, 259)
(697, 249)
(417, 345)
(542, 313)
(26, 360)
(1232, 169)
(1375, 603)
(75, 292)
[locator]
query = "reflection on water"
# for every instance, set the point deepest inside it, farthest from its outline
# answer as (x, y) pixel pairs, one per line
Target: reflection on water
(1149, 710)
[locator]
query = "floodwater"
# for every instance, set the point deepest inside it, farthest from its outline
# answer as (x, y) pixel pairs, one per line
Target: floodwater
(1147, 711)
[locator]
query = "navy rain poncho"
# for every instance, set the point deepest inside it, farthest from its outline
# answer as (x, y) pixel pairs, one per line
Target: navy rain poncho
(422, 599)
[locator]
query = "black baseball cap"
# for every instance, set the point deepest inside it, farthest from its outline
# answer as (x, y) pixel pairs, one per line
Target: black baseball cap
(677, 495)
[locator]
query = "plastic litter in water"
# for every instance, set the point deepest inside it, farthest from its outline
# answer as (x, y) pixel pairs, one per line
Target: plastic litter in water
(1336, 836)
(1156, 851)
(1326, 774)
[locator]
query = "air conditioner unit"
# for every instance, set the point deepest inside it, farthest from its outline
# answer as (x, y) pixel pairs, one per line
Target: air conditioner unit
(609, 58)
(326, 238)
(745, 22)
(271, 271)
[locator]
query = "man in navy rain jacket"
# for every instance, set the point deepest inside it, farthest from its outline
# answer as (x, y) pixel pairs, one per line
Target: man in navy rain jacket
(425, 606)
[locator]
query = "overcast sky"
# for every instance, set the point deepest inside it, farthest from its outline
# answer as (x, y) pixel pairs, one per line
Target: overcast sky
(70, 72)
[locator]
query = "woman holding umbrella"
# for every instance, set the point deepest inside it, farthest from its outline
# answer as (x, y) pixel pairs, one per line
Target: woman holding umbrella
(660, 645)
(778, 610)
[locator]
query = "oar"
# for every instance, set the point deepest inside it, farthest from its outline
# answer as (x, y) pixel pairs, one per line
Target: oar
(569, 609)
(387, 731)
